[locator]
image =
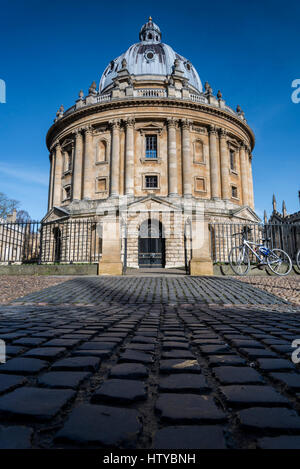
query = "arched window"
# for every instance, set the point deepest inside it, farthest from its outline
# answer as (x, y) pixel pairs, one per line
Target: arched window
(101, 152)
(57, 243)
(67, 158)
(67, 192)
(198, 151)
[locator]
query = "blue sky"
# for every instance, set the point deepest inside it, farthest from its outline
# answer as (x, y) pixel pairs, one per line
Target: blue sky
(247, 49)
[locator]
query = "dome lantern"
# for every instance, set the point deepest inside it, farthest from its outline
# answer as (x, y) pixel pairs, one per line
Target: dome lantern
(150, 32)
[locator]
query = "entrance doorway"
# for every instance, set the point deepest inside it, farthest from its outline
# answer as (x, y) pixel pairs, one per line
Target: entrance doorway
(151, 244)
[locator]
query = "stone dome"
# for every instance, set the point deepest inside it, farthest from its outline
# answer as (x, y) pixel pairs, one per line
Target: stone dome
(150, 57)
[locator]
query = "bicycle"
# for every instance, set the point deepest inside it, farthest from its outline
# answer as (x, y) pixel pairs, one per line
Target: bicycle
(298, 259)
(276, 259)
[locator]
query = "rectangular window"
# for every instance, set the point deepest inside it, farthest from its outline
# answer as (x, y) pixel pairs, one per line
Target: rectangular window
(234, 192)
(151, 182)
(101, 185)
(200, 184)
(151, 146)
(232, 160)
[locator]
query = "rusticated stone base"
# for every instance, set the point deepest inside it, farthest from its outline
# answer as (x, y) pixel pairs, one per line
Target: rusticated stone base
(110, 268)
(201, 266)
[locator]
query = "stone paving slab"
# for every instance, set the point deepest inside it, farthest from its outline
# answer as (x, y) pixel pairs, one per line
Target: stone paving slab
(226, 384)
(161, 290)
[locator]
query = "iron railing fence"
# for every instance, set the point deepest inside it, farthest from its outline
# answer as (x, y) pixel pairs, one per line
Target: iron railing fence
(285, 236)
(77, 241)
(80, 241)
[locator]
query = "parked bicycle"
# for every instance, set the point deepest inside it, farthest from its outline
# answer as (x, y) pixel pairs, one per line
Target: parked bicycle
(276, 259)
(298, 259)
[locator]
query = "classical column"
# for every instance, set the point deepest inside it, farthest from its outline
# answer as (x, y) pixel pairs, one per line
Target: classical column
(77, 166)
(186, 159)
(214, 164)
(51, 181)
(224, 157)
(251, 194)
(89, 179)
(172, 157)
(244, 174)
(115, 159)
(58, 175)
(129, 157)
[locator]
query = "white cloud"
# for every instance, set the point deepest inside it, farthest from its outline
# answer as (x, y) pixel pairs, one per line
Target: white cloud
(25, 175)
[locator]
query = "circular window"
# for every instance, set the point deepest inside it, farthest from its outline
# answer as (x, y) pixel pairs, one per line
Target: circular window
(149, 55)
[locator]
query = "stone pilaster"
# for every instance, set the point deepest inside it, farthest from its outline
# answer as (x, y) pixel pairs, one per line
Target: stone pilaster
(77, 171)
(214, 164)
(115, 159)
(201, 262)
(58, 175)
(110, 263)
(172, 158)
(224, 160)
(51, 180)
(89, 179)
(244, 174)
(251, 193)
(129, 157)
(186, 159)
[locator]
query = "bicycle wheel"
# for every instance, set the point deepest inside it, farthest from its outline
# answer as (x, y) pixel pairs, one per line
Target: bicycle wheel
(279, 262)
(239, 260)
(298, 259)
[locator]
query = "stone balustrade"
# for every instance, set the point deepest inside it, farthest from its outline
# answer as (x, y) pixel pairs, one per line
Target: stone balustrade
(146, 93)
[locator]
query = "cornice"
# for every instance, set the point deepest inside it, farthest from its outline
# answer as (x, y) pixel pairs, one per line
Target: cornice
(62, 123)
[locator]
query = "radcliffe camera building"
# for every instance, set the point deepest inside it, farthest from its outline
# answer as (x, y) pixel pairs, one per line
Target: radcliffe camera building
(152, 146)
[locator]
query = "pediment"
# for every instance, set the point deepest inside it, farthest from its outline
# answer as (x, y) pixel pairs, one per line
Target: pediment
(55, 214)
(66, 143)
(246, 213)
(153, 204)
(150, 126)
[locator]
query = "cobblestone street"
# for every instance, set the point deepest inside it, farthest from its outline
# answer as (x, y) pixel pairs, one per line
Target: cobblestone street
(183, 289)
(150, 363)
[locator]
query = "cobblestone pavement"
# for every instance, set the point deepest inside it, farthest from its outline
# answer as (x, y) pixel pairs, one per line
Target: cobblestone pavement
(162, 290)
(287, 288)
(14, 286)
(149, 376)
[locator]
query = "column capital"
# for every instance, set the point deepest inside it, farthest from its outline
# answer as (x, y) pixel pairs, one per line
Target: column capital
(212, 130)
(129, 122)
(88, 129)
(115, 123)
(171, 122)
(223, 133)
(243, 146)
(55, 146)
(186, 123)
(78, 132)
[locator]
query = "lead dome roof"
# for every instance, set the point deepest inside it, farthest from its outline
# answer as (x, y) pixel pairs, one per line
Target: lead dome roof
(150, 57)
